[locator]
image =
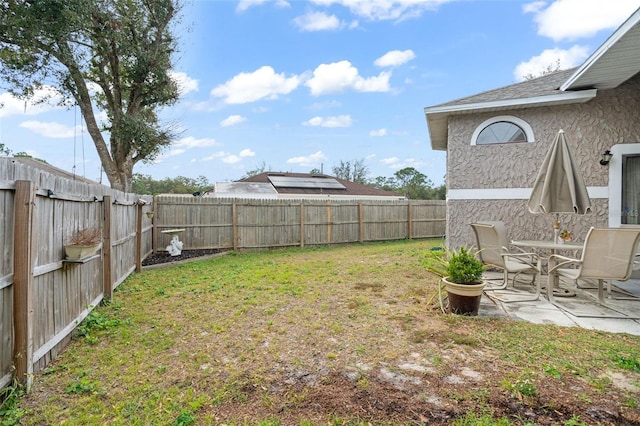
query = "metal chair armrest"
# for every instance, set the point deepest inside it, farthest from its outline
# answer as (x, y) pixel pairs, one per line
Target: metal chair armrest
(520, 249)
(526, 258)
(563, 262)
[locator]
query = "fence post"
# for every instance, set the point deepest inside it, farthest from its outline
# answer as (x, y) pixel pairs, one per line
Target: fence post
(154, 226)
(234, 225)
(301, 223)
(329, 222)
(361, 221)
(106, 249)
(409, 220)
(24, 204)
(139, 236)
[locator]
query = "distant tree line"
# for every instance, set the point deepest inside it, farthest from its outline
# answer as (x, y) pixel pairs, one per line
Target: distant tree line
(412, 184)
(146, 185)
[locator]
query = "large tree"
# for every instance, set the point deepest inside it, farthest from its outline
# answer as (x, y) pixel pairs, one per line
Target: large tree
(110, 56)
(412, 183)
(354, 170)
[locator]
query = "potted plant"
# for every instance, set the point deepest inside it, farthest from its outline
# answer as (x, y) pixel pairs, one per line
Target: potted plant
(83, 243)
(565, 236)
(461, 274)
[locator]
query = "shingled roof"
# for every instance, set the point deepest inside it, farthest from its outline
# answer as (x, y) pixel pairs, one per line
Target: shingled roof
(542, 86)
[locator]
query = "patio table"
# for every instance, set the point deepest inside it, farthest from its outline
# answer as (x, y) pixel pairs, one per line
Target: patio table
(547, 245)
(552, 246)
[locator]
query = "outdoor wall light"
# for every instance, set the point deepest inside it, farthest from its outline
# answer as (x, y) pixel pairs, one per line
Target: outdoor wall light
(606, 157)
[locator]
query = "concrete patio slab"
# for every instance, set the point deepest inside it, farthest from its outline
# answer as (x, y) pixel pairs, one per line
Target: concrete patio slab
(565, 311)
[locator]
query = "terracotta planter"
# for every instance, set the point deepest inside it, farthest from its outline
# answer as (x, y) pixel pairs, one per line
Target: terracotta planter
(77, 252)
(464, 299)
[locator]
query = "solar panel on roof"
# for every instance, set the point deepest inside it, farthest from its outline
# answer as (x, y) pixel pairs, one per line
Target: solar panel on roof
(305, 182)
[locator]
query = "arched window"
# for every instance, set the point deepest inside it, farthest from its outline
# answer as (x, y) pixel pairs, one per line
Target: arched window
(502, 129)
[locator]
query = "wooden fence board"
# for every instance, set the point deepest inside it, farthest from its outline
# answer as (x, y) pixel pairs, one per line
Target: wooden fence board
(255, 223)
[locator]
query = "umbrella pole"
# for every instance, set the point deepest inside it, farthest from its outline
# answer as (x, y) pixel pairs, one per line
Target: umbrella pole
(556, 228)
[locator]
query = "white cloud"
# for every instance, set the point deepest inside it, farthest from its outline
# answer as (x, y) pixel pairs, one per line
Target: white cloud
(185, 83)
(174, 152)
(52, 129)
(215, 155)
(44, 99)
(396, 163)
(334, 121)
(573, 19)
(534, 7)
(263, 83)
(228, 158)
(232, 120)
(395, 58)
(565, 59)
(341, 76)
(381, 10)
(191, 142)
(379, 132)
(312, 160)
(246, 4)
(243, 5)
(390, 160)
(233, 159)
(317, 21)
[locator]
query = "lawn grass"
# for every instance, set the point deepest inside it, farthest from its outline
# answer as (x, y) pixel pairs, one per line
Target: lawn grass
(331, 335)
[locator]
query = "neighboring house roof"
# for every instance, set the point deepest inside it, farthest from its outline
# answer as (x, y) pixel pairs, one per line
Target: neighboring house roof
(293, 185)
(243, 189)
(32, 162)
(617, 60)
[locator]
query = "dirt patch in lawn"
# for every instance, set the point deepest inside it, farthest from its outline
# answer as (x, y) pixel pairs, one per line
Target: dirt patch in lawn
(344, 335)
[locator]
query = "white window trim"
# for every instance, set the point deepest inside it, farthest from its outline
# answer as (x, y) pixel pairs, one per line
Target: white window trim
(615, 181)
(528, 131)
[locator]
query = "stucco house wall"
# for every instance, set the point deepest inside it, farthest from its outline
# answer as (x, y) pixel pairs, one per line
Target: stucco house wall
(612, 117)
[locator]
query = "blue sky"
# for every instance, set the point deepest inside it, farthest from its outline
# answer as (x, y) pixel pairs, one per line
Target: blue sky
(297, 85)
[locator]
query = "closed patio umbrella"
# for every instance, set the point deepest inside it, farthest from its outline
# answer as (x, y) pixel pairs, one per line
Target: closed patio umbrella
(559, 187)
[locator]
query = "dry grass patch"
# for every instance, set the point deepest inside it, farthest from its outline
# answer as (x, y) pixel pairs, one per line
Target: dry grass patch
(340, 335)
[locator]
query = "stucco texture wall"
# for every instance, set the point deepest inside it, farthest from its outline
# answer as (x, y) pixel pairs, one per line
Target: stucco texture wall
(613, 117)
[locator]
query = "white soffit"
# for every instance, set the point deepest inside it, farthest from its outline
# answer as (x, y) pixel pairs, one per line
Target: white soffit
(614, 62)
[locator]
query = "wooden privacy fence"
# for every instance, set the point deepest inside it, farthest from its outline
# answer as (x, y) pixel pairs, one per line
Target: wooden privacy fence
(214, 223)
(43, 297)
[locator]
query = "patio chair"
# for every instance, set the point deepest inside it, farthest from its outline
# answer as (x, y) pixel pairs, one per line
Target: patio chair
(493, 249)
(608, 254)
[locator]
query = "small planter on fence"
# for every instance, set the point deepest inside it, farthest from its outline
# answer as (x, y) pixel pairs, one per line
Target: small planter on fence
(83, 243)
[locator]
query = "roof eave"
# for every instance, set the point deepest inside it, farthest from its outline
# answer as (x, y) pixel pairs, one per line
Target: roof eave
(573, 82)
(438, 116)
